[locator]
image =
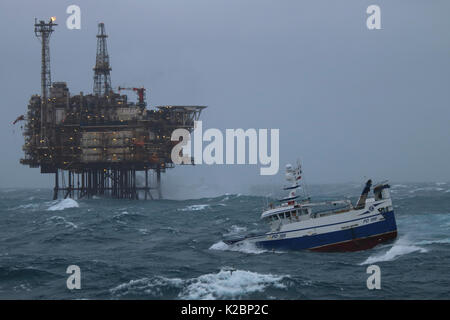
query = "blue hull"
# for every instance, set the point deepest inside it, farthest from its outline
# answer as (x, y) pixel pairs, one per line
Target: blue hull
(354, 239)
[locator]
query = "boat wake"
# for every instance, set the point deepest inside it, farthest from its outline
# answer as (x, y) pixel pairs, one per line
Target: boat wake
(401, 247)
(244, 246)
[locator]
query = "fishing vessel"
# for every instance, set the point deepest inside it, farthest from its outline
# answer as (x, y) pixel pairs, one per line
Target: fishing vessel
(299, 224)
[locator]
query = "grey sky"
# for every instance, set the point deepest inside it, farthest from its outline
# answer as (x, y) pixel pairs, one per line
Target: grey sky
(350, 102)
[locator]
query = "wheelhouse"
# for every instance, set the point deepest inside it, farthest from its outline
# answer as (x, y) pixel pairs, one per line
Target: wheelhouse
(285, 215)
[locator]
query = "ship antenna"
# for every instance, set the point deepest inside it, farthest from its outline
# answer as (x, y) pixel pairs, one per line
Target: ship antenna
(303, 184)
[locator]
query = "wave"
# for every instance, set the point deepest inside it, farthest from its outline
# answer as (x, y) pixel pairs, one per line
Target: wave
(127, 215)
(64, 204)
(245, 247)
(400, 186)
(426, 189)
(228, 283)
(149, 286)
(400, 248)
(143, 231)
(31, 206)
(62, 221)
(195, 207)
(437, 241)
(18, 273)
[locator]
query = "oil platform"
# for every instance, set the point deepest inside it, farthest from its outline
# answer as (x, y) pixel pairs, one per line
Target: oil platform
(95, 143)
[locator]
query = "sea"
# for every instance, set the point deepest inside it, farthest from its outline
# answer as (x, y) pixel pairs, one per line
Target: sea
(173, 249)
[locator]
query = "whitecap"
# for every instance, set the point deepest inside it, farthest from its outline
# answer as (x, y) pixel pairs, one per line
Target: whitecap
(64, 204)
(143, 231)
(195, 207)
(229, 283)
(123, 213)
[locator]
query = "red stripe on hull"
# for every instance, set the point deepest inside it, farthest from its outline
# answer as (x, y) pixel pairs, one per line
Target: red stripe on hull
(357, 244)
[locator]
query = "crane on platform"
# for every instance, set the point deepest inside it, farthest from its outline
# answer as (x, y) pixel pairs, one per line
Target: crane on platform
(141, 95)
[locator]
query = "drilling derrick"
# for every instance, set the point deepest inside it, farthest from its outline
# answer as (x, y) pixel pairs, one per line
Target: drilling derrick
(43, 32)
(95, 144)
(102, 78)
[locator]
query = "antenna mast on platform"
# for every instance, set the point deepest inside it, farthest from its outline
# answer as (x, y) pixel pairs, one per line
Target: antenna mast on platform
(102, 78)
(43, 31)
